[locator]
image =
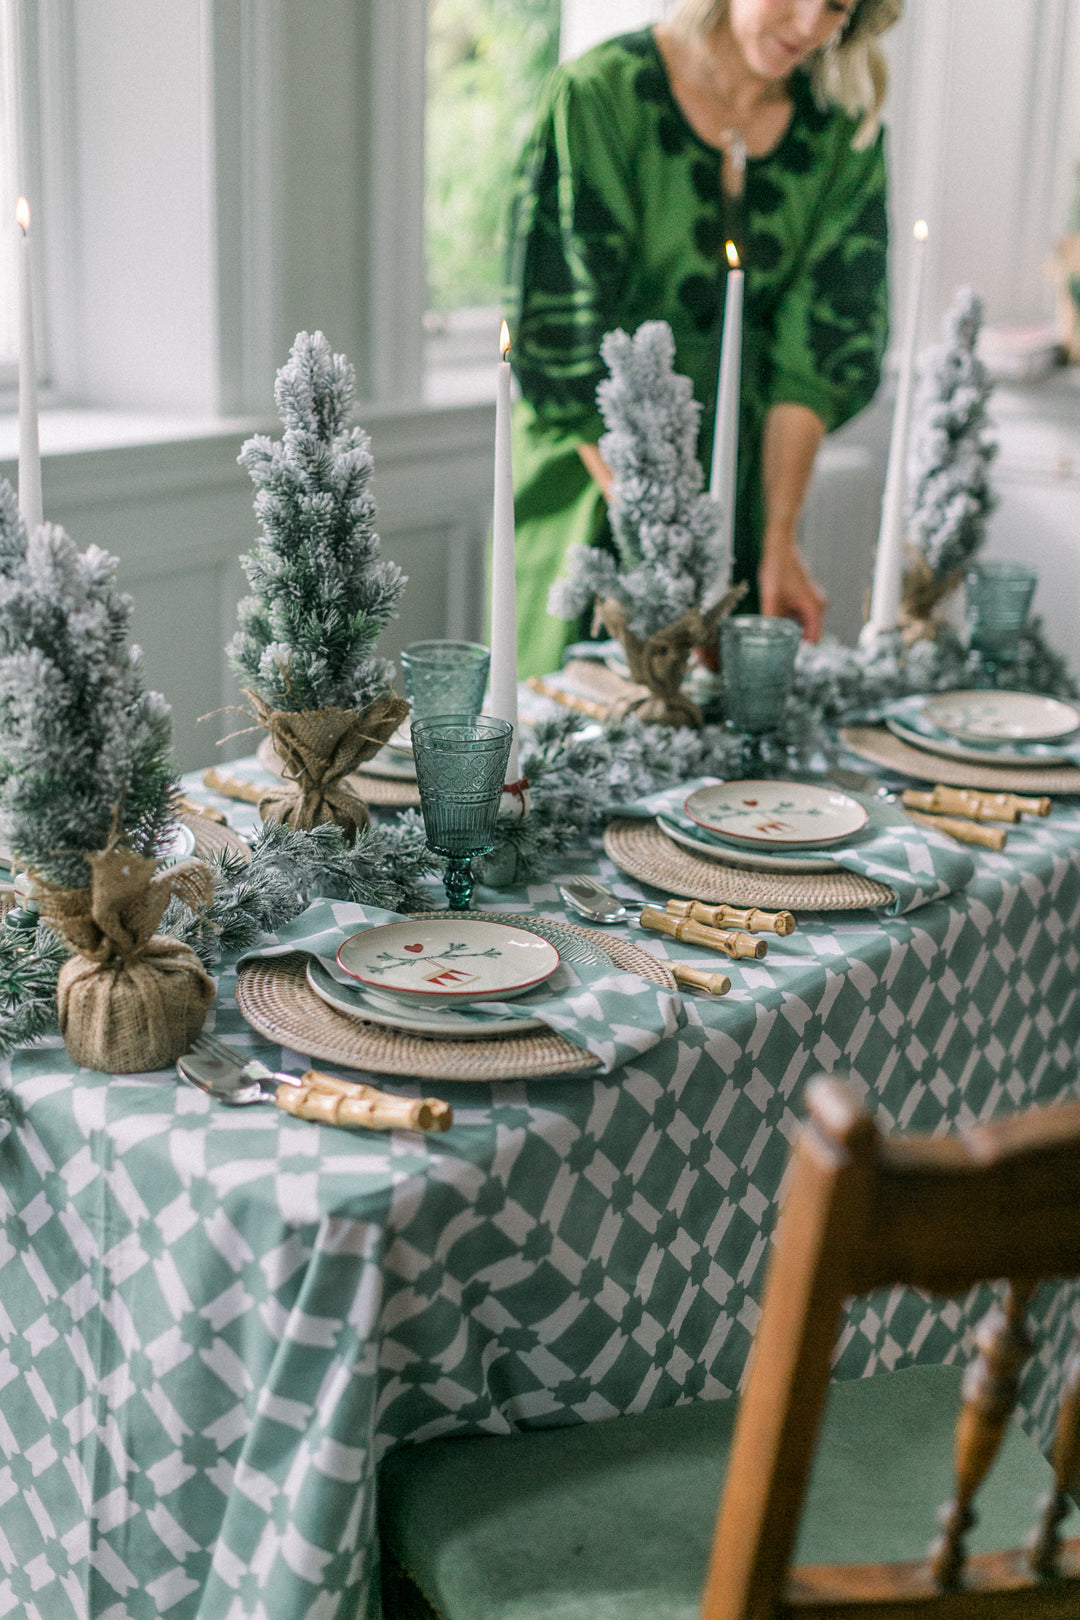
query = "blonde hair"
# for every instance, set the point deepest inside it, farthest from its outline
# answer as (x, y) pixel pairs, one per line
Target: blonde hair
(850, 73)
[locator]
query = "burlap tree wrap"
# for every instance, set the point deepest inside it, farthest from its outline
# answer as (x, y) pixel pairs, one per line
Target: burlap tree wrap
(923, 593)
(129, 1000)
(317, 748)
(659, 663)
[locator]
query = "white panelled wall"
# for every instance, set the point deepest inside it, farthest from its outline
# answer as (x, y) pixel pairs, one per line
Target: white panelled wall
(217, 174)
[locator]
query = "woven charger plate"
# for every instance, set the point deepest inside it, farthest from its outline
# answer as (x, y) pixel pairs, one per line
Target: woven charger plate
(881, 747)
(641, 849)
(211, 837)
(377, 790)
(273, 995)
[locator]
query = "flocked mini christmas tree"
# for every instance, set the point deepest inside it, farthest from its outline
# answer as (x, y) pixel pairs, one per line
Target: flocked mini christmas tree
(86, 799)
(320, 594)
(667, 589)
(949, 494)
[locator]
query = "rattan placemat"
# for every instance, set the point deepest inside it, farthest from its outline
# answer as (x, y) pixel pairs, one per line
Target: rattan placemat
(383, 791)
(274, 997)
(881, 747)
(211, 837)
(641, 849)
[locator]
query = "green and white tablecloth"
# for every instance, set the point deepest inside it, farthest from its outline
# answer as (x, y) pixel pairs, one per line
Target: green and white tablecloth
(214, 1323)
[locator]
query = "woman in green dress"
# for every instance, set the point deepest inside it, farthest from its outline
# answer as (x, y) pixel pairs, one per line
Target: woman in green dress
(750, 120)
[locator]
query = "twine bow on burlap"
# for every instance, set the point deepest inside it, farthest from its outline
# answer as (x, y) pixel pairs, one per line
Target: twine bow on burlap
(659, 663)
(318, 748)
(129, 999)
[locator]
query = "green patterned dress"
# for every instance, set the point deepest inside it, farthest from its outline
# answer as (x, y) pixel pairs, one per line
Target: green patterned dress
(618, 217)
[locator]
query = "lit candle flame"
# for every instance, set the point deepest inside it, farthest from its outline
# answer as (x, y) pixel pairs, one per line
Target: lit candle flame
(504, 340)
(22, 215)
(922, 230)
(732, 255)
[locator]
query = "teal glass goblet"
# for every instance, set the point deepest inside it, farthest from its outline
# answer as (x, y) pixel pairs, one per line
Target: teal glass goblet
(460, 770)
(757, 662)
(998, 601)
(445, 677)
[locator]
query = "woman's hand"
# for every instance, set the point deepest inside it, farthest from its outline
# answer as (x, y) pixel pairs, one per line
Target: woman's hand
(788, 589)
(597, 467)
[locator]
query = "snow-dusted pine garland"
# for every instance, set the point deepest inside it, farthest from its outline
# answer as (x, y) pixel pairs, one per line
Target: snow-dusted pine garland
(672, 554)
(578, 779)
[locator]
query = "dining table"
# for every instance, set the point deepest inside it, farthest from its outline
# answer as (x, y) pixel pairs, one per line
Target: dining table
(216, 1322)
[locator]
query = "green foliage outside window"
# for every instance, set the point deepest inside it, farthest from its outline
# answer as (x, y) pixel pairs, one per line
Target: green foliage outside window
(487, 61)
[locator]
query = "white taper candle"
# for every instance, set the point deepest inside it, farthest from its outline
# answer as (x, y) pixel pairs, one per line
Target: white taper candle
(887, 591)
(725, 450)
(503, 699)
(29, 452)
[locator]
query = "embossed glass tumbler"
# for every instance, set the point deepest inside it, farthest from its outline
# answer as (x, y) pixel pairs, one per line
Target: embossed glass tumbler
(757, 661)
(998, 599)
(445, 677)
(460, 770)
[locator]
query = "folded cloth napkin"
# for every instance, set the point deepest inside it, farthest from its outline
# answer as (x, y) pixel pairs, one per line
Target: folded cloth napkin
(911, 712)
(918, 865)
(612, 1014)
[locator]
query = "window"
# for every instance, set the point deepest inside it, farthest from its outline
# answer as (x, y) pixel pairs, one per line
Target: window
(486, 63)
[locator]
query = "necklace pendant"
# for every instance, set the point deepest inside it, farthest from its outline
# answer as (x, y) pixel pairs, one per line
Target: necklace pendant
(733, 164)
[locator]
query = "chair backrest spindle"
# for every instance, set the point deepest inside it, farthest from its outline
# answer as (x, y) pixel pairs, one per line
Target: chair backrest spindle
(1046, 1544)
(990, 1393)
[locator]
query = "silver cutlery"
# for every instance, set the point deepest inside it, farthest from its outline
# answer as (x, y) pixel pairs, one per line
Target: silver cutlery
(216, 1069)
(597, 904)
(683, 919)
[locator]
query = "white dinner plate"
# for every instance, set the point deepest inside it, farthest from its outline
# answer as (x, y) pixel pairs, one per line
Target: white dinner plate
(946, 747)
(1001, 716)
(448, 960)
(455, 1022)
(400, 741)
(179, 844)
(390, 763)
(699, 842)
(777, 815)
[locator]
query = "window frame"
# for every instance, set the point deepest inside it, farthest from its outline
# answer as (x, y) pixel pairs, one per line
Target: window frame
(309, 138)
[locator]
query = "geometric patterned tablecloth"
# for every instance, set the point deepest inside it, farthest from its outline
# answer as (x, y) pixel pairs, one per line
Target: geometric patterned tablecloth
(214, 1323)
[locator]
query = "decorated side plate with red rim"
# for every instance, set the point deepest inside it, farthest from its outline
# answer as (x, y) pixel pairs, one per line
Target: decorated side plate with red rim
(777, 815)
(444, 962)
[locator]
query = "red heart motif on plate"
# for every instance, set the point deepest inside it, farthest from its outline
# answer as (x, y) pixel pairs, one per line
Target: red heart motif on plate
(412, 947)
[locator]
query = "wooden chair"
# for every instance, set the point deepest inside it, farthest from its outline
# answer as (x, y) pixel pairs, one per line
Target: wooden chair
(474, 1528)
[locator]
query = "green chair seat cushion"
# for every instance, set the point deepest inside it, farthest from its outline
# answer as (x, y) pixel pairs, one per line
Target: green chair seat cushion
(614, 1520)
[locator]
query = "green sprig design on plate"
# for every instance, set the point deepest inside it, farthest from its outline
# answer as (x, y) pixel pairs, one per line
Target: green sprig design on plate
(457, 952)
